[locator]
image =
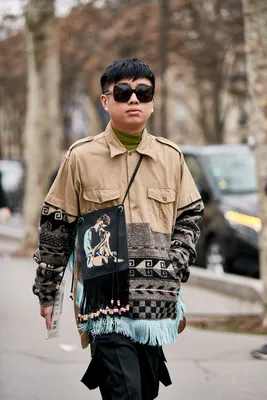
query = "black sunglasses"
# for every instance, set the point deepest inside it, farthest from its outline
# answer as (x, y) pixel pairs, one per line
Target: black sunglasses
(123, 92)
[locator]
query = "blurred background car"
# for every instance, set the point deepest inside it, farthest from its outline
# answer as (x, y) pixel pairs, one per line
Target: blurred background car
(226, 178)
(12, 182)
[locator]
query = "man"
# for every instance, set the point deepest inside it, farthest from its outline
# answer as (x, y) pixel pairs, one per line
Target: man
(54, 174)
(96, 242)
(162, 208)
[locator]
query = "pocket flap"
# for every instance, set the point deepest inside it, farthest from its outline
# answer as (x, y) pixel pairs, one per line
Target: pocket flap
(163, 195)
(101, 195)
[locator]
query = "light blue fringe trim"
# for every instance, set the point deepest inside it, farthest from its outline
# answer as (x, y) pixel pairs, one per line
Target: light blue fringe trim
(70, 266)
(154, 333)
(72, 257)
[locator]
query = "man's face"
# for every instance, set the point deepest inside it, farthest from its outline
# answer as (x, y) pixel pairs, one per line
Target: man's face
(128, 117)
(101, 226)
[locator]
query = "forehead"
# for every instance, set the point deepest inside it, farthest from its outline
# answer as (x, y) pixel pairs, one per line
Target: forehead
(133, 83)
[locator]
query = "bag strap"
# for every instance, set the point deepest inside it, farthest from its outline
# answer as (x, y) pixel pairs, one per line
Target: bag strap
(127, 191)
(133, 176)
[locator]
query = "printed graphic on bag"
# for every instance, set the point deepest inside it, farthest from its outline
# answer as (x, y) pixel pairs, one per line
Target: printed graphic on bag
(97, 242)
(103, 242)
(104, 260)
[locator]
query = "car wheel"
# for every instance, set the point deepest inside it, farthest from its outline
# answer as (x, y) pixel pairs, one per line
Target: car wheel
(215, 259)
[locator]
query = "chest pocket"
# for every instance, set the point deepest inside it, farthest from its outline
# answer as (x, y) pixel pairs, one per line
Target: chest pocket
(96, 199)
(161, 209)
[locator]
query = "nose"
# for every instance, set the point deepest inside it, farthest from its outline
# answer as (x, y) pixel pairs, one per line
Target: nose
(133, 99)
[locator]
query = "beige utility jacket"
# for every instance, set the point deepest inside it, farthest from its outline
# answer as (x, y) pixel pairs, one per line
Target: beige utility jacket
(97, 170)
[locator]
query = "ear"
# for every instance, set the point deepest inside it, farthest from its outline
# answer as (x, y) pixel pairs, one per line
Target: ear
(153, 102)
(104, 102)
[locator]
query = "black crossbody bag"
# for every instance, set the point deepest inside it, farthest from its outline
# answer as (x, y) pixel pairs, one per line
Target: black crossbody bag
(104, 259)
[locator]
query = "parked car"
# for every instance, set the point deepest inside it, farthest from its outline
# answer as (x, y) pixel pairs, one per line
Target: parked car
(226, 178)
(12, 182)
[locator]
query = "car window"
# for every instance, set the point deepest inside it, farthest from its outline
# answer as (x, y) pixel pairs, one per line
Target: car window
(233, 172)
(12, 174)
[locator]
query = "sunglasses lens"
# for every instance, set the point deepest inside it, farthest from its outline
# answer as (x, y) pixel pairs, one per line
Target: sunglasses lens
(122, 93)
(145, 93)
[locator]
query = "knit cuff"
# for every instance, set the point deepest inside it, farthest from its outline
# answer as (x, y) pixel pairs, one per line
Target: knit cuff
(44, 303)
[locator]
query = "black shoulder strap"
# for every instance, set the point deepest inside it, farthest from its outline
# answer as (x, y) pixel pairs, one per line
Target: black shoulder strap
(133, 176)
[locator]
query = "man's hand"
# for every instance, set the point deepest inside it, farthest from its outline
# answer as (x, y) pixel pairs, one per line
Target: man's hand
(5, 214)
(46, 312)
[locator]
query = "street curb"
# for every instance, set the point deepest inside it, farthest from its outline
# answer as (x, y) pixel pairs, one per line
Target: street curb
(229, 284)
(233, 285)
(10, 232)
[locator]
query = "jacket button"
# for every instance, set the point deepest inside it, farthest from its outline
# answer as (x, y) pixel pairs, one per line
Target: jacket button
(135, 208)
(130, 153)
(164, 198)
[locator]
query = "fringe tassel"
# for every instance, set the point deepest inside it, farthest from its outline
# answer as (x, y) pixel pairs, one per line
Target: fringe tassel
(141, 331)
(105, 291)
(72, 257)
(70, 263)
(79, 294)
(154, 333)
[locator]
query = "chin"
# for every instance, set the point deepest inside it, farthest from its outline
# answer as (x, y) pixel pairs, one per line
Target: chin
(129, 123)
(135, 119)
(135, 124)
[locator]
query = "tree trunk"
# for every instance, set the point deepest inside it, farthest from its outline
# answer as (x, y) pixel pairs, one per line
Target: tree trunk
(217, 109)
(255, 15)
(43, 127)
(163, 57)
(204, 116)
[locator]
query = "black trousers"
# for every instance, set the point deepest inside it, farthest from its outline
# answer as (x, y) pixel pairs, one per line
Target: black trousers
(124, 370)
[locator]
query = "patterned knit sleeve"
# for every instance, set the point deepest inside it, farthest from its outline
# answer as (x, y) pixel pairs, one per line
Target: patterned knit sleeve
(56, 242)
(184, 238)
(186, 230)
(57, 230)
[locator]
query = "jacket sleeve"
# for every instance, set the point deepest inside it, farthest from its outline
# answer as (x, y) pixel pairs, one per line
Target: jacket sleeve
(186, 229)
(56, 241)
(56, 235)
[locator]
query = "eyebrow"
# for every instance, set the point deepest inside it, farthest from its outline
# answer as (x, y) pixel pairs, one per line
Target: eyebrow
(129, 84)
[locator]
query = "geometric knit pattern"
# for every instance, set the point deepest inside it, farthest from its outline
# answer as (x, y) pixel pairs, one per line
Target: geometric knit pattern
(56, 240)
(153, 309)
(160, 262)
(153, 289)
(185, 235)
(157, 262)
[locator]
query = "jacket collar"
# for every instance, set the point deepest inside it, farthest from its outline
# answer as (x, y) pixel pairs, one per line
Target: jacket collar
(117, 148)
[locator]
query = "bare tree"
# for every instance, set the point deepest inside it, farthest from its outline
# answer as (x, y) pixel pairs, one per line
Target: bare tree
(12, 93)
(163, 60)
(255, 15)
(43, 128)
(202, 32)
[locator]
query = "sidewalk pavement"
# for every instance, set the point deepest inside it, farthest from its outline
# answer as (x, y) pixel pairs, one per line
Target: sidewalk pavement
(12, 229)
(203, 364)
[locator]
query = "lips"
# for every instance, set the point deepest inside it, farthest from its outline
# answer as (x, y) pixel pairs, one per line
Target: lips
(134, 110)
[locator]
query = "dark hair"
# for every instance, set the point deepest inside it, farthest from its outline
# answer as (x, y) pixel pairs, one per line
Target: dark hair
(130, 68)
(105, 218)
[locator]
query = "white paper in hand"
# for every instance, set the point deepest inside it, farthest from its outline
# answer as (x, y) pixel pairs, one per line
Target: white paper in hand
(57, 311)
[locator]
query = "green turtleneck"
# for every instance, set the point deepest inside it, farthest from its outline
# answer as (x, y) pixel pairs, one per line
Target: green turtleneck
(129, 141)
